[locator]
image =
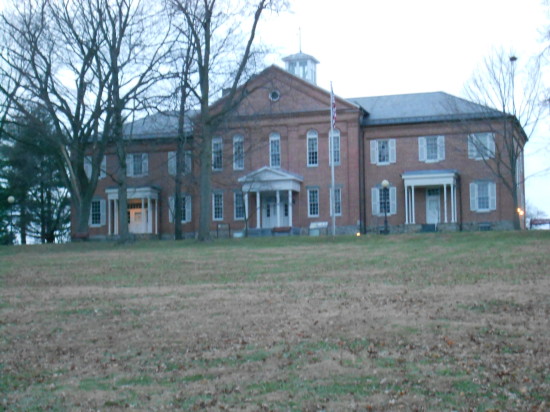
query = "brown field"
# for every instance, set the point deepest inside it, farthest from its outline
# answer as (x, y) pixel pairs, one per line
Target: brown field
(398, 323)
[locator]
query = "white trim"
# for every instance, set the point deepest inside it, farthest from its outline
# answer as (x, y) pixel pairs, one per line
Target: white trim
(274, 137)
(312, 135)
(238, 138)
(309, 204)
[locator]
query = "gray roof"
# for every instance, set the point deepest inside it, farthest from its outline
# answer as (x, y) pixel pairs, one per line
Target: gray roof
(420, 107)
(158, 125)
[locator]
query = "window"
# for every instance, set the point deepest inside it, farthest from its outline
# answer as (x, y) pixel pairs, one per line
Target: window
(483, 196)
(481, 146)
(313, 202)
(239, 206)
(88, 167)
(137, 164)
(187, 162)
(217, 153)
(383, 152)
(185, 208)
(97, 213)
(275, 150)
(312, 148)
(336, 148)
(238, 152)
(384, 201)
(217, 206)
(431, 148)
(337, 202)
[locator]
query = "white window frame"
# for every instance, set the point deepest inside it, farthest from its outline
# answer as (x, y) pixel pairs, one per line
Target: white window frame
(102, 212)
(134, 159)
(376, 197)
(374, 152)
(312, 203)
(217, 153)
(217, 206)
(275, 155)
(475, 198)
(336, 148)
(186, 203)
(238, 152)
(102, 167)
(423, 149)
(481, 146)
(238, 203)
(312, 148)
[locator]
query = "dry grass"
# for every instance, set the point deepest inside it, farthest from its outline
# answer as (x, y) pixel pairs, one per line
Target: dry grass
(434, 322)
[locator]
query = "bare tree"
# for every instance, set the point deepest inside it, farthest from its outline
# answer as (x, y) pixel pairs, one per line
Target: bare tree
(224, 59)
(516, 92)
(51, 60)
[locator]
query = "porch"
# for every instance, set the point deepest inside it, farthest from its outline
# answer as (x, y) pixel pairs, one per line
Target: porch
(273, 191)
(143, 211)
(440, 196)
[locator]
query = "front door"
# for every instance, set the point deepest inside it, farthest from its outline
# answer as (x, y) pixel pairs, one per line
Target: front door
(433, 203)
(137, 218)
(269, 212)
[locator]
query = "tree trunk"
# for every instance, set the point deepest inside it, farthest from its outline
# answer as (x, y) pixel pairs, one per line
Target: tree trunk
(205, 183)
(123, 233)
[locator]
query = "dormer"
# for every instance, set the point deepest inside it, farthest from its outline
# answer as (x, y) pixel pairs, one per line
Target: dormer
(302, 65)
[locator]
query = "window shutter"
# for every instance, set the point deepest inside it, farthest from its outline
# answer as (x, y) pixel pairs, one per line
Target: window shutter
(145, 163)
(393, 200)
(440, 148)
(187, 217)
(473, 196)
(129, 165)
(172, 163)
(88, 166)
(102, 210)
(472, 149)
(490, 145)
(103, 167)
(492, 196)
(374, 151)
(171, 209)
(393, 154)
(422, 149)
(375, 193)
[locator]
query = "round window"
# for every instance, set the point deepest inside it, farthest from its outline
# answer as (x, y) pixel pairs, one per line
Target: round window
(274, 95)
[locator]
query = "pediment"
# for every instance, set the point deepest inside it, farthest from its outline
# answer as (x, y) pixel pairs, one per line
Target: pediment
(269, 178)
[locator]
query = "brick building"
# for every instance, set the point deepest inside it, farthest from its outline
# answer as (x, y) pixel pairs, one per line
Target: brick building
(418, 162)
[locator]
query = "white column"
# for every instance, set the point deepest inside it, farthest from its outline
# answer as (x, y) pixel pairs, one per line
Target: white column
(116, 216)
(246, 206)
(290, 208)
(109, 216)
(413, 216)
(445, 200)
(453, 203)
(258, 211)
(156, 216)
(406, 205)
(278, 209)
(149, 215)
(143, 220)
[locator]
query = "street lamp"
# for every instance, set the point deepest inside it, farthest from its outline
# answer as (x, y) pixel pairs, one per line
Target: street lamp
(386, 189)
(11, 201)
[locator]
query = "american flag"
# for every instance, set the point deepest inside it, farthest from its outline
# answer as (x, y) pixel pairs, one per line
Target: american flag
(332, 108)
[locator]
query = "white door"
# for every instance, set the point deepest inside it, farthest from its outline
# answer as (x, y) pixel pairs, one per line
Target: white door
(269, 214)
(433, 204)
(136, 221)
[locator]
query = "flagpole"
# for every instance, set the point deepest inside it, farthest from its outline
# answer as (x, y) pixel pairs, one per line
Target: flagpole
(331, 160)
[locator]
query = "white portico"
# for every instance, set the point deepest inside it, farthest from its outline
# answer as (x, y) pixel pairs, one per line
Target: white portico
(143, 210)
(273, 188)
(436, 183)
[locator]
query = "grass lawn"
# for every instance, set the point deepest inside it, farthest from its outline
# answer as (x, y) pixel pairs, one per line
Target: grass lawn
(410, 322)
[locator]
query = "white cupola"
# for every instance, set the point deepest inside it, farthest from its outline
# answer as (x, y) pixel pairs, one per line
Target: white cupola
(302, 65)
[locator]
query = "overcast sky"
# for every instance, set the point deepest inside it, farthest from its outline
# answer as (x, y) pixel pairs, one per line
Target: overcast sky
(381, 47)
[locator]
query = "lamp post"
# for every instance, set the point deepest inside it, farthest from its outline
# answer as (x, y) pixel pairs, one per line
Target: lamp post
(11, 201)
(386, 189)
